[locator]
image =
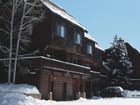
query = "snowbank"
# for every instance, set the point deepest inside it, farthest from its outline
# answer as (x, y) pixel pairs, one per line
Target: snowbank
(14, 95)
(18, 88)
(20, 99)
(132, 94)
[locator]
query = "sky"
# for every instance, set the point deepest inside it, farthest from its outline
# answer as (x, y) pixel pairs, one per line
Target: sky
(106, 18)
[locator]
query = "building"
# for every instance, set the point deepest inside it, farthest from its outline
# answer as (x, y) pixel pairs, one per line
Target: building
(68, 59)
(134, 56)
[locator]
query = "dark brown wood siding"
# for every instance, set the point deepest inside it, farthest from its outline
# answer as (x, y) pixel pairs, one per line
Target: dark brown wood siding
(134, 56)
(42, 32)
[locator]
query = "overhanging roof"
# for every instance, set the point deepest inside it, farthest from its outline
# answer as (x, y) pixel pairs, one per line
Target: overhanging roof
(88, 36)
(61, 12)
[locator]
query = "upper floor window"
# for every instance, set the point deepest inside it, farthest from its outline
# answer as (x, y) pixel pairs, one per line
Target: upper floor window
(89, 49)
(61, 30)
(78, 38)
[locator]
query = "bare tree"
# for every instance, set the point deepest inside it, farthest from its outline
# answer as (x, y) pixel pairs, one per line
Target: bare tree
(7, 28)
(17, 18)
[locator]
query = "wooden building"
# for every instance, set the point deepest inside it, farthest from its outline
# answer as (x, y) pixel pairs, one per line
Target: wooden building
(68, 61)
(73, 66)
(134, 56)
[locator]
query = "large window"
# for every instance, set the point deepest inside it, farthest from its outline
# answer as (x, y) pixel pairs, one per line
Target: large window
(89, 49)
(61, 30)
(78, 38)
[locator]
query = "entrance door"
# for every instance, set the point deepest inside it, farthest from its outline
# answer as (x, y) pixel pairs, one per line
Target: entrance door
(64, 90)
(53, 89)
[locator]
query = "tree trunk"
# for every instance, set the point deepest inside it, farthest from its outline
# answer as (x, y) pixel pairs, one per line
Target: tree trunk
(18, 42)
(11, 42)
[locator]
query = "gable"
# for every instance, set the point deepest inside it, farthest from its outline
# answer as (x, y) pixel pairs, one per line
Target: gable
(61, 12)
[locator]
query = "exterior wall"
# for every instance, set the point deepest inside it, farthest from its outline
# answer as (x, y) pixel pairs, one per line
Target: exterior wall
(49, 43)
(88, 58)
(93, 60)
(42, 32)
(98, 55)
(62, 88)
(134, 56)
(64, 80)
(44, 85)
(67, 44)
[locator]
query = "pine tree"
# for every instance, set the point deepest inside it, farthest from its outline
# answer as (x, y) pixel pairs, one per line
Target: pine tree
(117, 62)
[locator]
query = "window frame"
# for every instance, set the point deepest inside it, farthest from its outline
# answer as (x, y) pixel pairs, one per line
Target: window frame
(61, 30)
(89, 48)
(78, 38)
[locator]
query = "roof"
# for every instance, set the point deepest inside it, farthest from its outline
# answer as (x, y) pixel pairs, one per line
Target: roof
(51, 59)
(89, 37)
(98, 47)
(61, 12)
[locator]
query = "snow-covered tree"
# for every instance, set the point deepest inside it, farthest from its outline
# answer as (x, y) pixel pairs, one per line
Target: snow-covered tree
(117, 62)
(17, 18)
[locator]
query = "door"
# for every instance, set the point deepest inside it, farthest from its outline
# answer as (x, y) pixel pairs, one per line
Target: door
(64, 91)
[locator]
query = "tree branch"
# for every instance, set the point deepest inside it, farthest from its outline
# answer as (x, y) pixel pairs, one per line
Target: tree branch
(7, 27)
(25, 25)
(32, 6)
(4, 49)
(17, 4)
(4, 31)
(5, 20)
(7, 8)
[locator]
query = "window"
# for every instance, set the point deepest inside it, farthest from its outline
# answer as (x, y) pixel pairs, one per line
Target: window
(78, 38)
(61, 30)
(89, 49)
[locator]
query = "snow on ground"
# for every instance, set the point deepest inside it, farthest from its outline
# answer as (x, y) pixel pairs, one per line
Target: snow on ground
(13, 95)
(18, 88)
(130, 94)
(20, 99)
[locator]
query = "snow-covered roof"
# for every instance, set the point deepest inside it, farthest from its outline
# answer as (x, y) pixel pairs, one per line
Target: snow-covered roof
(61, 12)
(36, 57)
(89, 37)
(77, 65)
(98, 47)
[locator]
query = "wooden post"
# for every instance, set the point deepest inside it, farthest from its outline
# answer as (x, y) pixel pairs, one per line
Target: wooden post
(50, 96)
(84, 94)
(78, 95)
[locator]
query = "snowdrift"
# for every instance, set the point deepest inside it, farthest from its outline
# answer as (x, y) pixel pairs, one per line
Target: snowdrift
(15, 95)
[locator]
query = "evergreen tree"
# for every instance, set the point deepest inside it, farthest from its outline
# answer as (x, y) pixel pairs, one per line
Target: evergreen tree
(117, 62)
